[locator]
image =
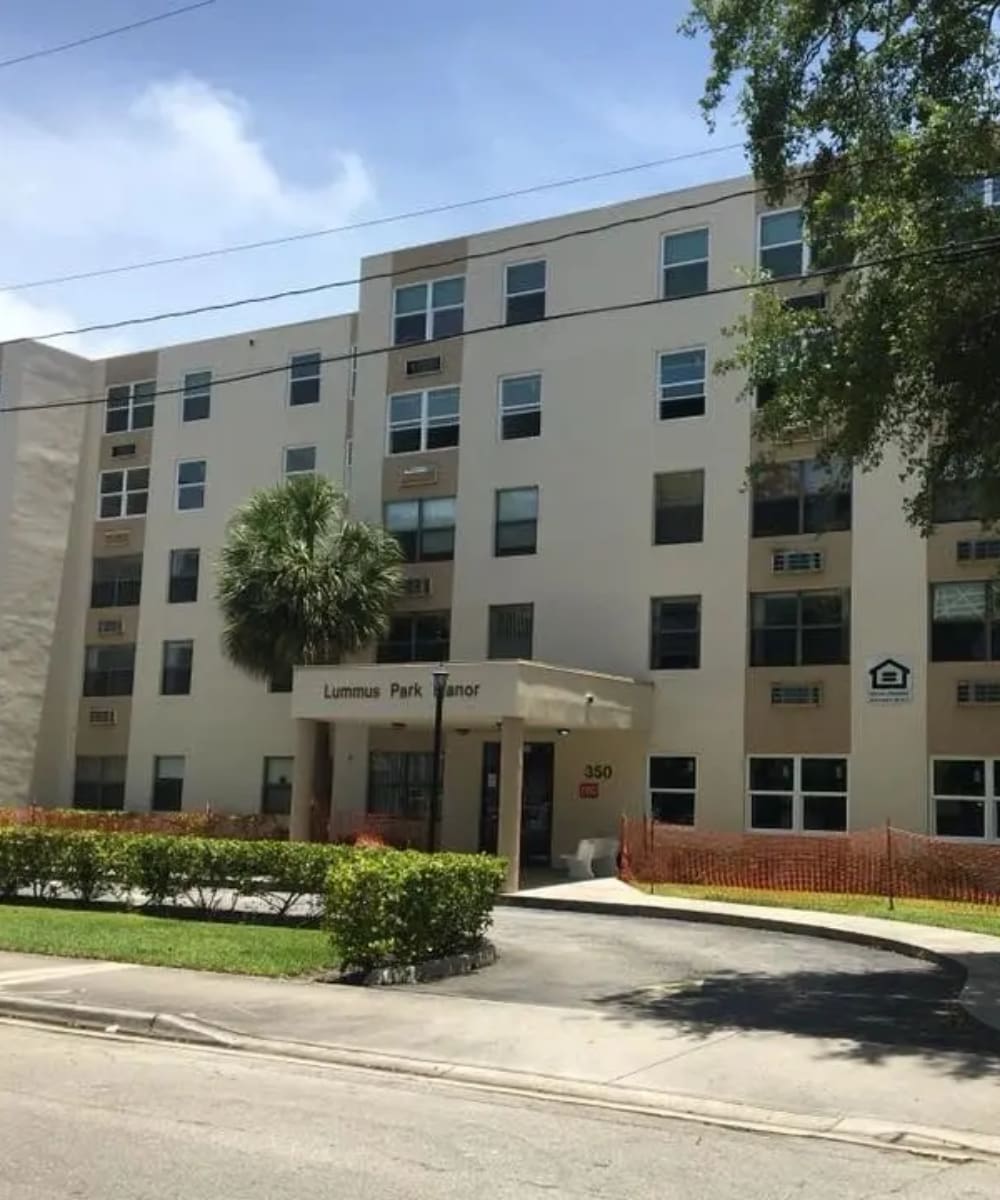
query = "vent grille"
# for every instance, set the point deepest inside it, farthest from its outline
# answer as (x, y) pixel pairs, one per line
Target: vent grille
(110, 627)
(978, 691)
(123, 450)
(418, 585)
(423, 366)
(799, 695)
(978, 549)
(789, 562)
(117, 537)
(103, 717)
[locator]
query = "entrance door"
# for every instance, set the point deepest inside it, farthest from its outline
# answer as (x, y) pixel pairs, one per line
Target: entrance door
(536, 802)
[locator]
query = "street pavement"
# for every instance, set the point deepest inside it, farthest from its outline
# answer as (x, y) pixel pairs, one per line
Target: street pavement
(91, 1118)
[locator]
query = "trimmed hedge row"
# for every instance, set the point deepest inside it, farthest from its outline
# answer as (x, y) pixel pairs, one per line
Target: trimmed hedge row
(192, 824)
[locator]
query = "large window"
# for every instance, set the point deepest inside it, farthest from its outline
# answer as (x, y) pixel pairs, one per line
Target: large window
(675, 643)
(685, 263)
(168, 783)
(276, 790)
(511, 630)
(673, 788)
(524, 298)
(966, 797)
(299, 460)
(801, 497)
(425, 529)
(423, 420)
(109, 670)
(516, 522)
(130, 406)
(116, 582)
(196, 401)
(123, 493)
(399, 783)
(520, 407)
(99, 782)
(191, 477)
(182, 587)
(424, 311)
(790, 629)
(783, 249)
(416, 637)
(682, 384)
(797, 793)
(678, 507)
(175, 675)
(965, 621)
(957, 500)
(303, 379)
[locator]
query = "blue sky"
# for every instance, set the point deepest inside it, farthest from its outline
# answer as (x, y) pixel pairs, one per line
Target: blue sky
(254, 118)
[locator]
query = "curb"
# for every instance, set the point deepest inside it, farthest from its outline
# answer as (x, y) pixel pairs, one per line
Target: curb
(939, 1143)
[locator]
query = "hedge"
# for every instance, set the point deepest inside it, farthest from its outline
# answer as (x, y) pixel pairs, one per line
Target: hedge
(191, 824)
(406, 907)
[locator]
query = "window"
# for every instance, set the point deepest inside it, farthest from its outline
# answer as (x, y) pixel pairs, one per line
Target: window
(424, 311)
(182, 587)
(416, 637)
(682, 384)
(130, 406)
(168, 783)
(525, 292)
(520, 407)
(276, 792)
(672, 788)
(966, 797)
(965, 622)
(801, 497)
(511, 630)
(678, 507)
(425, 529)
(789, 629)
(399, 783)
(299, 460)
(956, 500)
(676, 633)
(783, 249)
(191, 476)
(281, 681)
(108, 670)
(303, 379)
(516, 526)
(123, 493)
(99, 783)
(423, 420)
(175, 676)
(685, 263)
(116, 582)
(196, 401)
(808, 795)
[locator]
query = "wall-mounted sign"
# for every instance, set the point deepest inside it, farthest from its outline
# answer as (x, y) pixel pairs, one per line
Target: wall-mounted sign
(394, 690)
(889, 679)
(589, 791)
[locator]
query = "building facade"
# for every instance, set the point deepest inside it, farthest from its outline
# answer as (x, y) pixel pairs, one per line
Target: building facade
(627, 625)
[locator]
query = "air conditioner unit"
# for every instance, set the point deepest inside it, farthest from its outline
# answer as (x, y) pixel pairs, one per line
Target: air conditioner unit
(431, 365)
(420, 476)
(788, 562)
(978, 691)
(123, 450)
(110, 627)
(104, 717)
(977, 549)
(117, 537)
(417, 585)
(799, 695)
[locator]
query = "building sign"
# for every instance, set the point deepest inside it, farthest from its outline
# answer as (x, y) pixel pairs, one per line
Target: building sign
(395, 690)
(589, 791)
(889, 680)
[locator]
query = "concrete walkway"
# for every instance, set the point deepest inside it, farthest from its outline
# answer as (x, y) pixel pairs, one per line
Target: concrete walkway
(977, 954)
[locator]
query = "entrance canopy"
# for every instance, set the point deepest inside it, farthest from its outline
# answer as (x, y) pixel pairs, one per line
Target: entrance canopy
(478, 694)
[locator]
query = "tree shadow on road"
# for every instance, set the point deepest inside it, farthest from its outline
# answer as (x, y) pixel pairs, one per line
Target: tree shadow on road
(881, 1013)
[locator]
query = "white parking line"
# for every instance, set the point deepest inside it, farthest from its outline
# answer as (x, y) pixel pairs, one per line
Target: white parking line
(43, 974)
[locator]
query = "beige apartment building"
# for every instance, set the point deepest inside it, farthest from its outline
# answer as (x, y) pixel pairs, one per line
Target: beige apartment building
(627, 628)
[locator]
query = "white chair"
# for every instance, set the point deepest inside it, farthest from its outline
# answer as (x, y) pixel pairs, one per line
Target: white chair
(580, 865)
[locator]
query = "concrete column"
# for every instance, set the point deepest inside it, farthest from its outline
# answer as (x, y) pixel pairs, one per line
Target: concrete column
(302, 780)
(511, 773)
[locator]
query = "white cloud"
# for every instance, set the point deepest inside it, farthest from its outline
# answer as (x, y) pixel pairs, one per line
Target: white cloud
(22, 318)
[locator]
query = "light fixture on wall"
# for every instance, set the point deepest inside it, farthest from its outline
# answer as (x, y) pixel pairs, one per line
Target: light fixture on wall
(463, 732)
(399, 724)
(563, 732)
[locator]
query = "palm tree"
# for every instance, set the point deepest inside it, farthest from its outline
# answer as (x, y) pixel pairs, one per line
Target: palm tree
(300, 583)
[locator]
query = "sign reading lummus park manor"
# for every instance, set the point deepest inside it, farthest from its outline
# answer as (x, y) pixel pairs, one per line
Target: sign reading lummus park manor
(395, 690)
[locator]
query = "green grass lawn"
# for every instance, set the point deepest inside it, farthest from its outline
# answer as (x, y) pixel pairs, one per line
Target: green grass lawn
(165, 942)
(978, 918)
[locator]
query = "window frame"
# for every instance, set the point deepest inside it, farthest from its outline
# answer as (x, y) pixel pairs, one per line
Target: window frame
(318, 378)
(802, 495)
(806, 256)
(107, 674)
(266, 786)
(990, 622)
(123, 514)
(543, 291)
(314, 470)
(124, 593)
(671, 791)
(102, 782)
(413, 617)
(160, 779)
(655, 633)
(188, 392)
(420, 528)
(491, 609)
(203, 484)
(663, 268)
(521, 409)
(515, 552)
(661, 400)
(429, 310)
(173, 577)
(130, 407)
(798, 595)
(684, 541)
(990, 799)
(423, 425)
(798, 794)
(404, 785)
(167, 645)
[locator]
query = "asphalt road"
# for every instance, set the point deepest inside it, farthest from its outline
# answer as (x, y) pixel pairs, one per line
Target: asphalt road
(89, 1118)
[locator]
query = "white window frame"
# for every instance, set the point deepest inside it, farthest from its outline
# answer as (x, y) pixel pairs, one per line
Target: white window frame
(658, 390)
(429, 310)
(183, 462)
(797, 829)
(671, 791)
(130, 407)
(159, 759)
(423, 423)
(662, 267)
(522, 408)
(125, 472)
(804, 241)
(286, 474)
(989, 798)
(196, 392)
(524, 262)
(318, 376)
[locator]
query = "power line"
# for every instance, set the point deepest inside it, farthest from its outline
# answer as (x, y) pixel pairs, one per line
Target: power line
(106, 33)
(965, 249)
(433, 210)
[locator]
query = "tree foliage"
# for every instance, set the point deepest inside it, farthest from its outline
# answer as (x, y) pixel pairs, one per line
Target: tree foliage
(881, 116)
